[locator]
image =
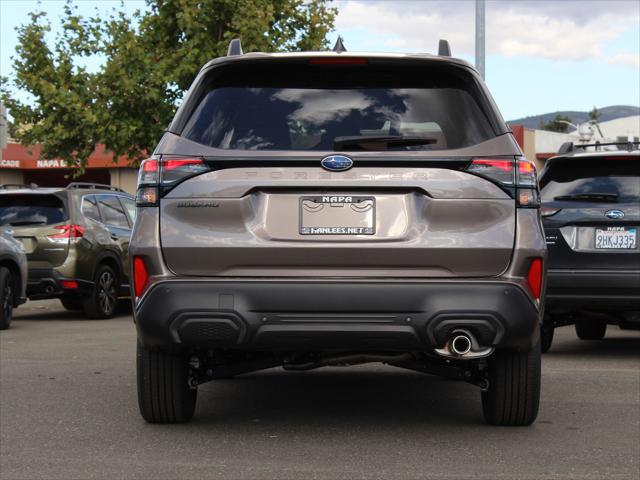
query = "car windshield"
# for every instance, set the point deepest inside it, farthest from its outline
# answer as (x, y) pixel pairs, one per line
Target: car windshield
(371, 112)
(34, 209)
(593, 180)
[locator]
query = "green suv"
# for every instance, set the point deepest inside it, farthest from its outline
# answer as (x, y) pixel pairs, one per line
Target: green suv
(76, 240)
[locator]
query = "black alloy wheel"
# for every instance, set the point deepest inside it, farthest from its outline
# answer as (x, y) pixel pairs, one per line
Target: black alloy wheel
(104, 298)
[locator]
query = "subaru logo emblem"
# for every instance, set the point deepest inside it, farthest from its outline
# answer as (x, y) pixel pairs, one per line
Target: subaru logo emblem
(614, 214)
(336, 163)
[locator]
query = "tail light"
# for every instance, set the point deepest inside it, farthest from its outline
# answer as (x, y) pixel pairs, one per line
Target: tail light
(517, 175)
(148, 177)
(176, 169)
(534, 277)
(527, 183)
(140, 276)
(160, 173)
(69, 284)
(68, 234)
(499, 170)
(148, 173)
(147, 196)
(526, 173)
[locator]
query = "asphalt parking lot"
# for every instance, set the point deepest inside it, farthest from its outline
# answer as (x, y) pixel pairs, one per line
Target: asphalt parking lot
(68, 409)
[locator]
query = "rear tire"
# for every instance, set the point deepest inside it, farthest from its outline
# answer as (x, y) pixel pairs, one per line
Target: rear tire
(164, 395)
(71, 304)
(102, 301)
(513, 397)
(591, 329)
(6, 298)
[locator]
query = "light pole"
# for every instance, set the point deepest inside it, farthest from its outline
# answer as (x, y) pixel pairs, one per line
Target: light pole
(480, 37)
(3, 129)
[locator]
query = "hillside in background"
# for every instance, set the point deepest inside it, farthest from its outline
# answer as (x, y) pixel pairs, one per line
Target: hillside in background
(607, 113)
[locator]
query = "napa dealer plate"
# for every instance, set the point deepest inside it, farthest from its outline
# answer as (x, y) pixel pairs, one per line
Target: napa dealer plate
(337, 215)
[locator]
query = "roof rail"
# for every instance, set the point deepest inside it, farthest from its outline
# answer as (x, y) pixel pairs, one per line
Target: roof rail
(444, 50)
(339, 46)
(570, 146)
(97, 186)
(235, 48)
(16, 186)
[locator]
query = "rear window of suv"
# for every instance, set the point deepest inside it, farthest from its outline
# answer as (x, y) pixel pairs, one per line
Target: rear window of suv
(309, 108)
(602, 179)
(31, 209)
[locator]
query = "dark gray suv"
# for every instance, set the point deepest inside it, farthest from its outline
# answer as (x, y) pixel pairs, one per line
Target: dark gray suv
(315, 209)
(13, 276)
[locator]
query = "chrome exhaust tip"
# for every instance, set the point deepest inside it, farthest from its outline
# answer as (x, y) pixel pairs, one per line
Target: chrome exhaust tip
(461, 344)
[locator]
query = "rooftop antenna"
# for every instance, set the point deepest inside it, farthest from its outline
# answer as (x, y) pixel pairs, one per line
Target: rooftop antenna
(444, 50)
(339, 46)
(235, 48)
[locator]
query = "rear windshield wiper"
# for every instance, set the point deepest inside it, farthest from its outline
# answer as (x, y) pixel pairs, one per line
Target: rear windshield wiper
(596, 197)
(390, 140)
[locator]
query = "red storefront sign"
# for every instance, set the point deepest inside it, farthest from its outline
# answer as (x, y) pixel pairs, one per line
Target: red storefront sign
(17, 156)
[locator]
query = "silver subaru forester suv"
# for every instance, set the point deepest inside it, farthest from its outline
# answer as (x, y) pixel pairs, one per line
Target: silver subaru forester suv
(332, 208)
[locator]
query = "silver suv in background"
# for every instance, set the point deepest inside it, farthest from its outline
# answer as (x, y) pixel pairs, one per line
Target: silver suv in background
(324, 208)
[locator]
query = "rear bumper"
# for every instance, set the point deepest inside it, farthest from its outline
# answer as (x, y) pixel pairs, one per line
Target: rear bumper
(577, 289)
(45, 283)
(313, 315)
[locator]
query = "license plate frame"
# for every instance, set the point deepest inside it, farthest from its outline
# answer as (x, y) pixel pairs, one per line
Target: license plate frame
(616, 238)
(315, 211)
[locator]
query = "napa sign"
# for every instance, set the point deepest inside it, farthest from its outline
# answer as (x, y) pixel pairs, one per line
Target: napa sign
(29, 164)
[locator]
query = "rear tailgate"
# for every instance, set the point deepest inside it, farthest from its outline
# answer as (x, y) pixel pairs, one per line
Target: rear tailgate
(269, 209)
(419, 222)
(591, 213)
(36, 219)
(585, 238)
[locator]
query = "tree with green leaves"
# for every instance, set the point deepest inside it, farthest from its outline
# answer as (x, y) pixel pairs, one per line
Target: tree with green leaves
(557, 124)
(594, 114)
(147, 61)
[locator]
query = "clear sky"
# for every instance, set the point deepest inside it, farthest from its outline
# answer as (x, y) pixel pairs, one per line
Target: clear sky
(541, 55)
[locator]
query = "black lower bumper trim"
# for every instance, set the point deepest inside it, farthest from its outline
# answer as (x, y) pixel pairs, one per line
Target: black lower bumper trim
(584, 289)
(46, 283)
(305, 315)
